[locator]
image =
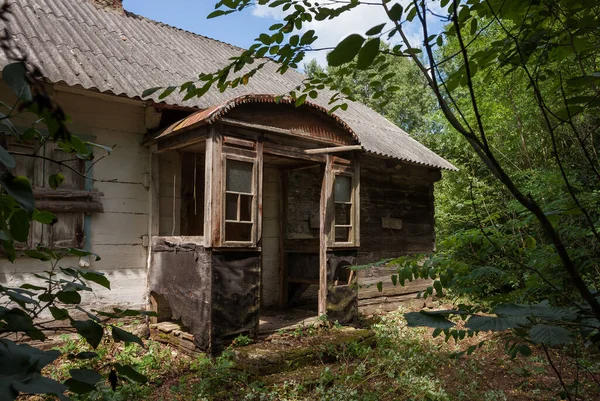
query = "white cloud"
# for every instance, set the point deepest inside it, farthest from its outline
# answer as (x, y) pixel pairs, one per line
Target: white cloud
(358, 20)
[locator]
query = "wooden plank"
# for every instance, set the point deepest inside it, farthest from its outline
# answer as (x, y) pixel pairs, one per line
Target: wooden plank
(324, 231)
(66, 193)
(291, 152)
(217, 187)
(208, 191)
(357, 200)
(259, 191)
(154, 195)
(69, 206)
(119, 228)
(231, 140)
(334, 149)
(283, 268)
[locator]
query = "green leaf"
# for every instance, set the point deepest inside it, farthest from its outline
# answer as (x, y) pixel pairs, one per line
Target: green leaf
(494, 323)
(151, 91)
(55, 180)
(96, 277)
(84, 355)
(81, 253)
(6, 158)
(418, 319)
(380, 286)
(44, 217)
(376, 30)
(395, 13)
(167, 92)
(129, 372)
(90, 330)
(346, 50)
(122, 335)
(367, 54)
(20, 189)
(19, 225)
(38, 384)
(59, 313)
(550, 335)
(87, 376)
(78, 387)
(69, 297)
(437, 285)
(473, 26)
(15, 76)
(44, 257)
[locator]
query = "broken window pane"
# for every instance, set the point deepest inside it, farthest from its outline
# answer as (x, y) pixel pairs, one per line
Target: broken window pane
(343, 188)
(231, 207)
(245, 207)
(239, 176)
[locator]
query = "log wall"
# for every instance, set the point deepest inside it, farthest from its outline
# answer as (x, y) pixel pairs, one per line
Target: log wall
(397, 218)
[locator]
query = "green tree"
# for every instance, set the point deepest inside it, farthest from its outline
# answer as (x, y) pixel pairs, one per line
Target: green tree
(541, 110)
(406, 102)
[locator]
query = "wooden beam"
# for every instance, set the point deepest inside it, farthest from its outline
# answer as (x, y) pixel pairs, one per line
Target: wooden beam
(334, 149)
(66, 193)
(291, 152)
(283, 212)
(324, 233)
(69, 206)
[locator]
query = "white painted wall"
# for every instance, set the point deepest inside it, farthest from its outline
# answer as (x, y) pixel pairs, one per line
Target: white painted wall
(270, 240)
(117, 233)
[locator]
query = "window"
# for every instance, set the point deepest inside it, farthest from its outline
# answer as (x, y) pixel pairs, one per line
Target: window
(239, 200)
(69, 203)
(344, 209)
(343, 203)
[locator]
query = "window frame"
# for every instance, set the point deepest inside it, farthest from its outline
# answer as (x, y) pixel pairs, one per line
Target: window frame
(345, 168)
(254, 212)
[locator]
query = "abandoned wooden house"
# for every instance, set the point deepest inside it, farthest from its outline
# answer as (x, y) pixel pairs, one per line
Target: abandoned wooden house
(220, 209)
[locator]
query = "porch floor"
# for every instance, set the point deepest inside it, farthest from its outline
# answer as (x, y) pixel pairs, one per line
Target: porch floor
(272, 320)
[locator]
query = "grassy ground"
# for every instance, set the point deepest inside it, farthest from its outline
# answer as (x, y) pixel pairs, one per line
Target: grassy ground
(406, 364)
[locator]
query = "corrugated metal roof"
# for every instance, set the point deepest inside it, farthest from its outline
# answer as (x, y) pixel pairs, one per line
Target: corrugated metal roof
(75, 43)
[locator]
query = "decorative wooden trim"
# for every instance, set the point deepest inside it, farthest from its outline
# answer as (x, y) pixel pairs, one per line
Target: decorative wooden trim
(275, 130)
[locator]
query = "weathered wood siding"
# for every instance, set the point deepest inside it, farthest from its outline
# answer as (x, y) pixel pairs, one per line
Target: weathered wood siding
(404, 194)
(116, 234)
(270, 237)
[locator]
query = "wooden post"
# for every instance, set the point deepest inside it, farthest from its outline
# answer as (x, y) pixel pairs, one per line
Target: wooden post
(325, 232)
(283, 271)
(153, 212)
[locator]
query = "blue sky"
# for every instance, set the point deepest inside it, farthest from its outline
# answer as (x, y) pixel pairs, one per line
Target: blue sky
(241, 28)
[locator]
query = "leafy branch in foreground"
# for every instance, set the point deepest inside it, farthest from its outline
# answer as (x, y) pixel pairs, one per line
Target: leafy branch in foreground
(50, 301)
